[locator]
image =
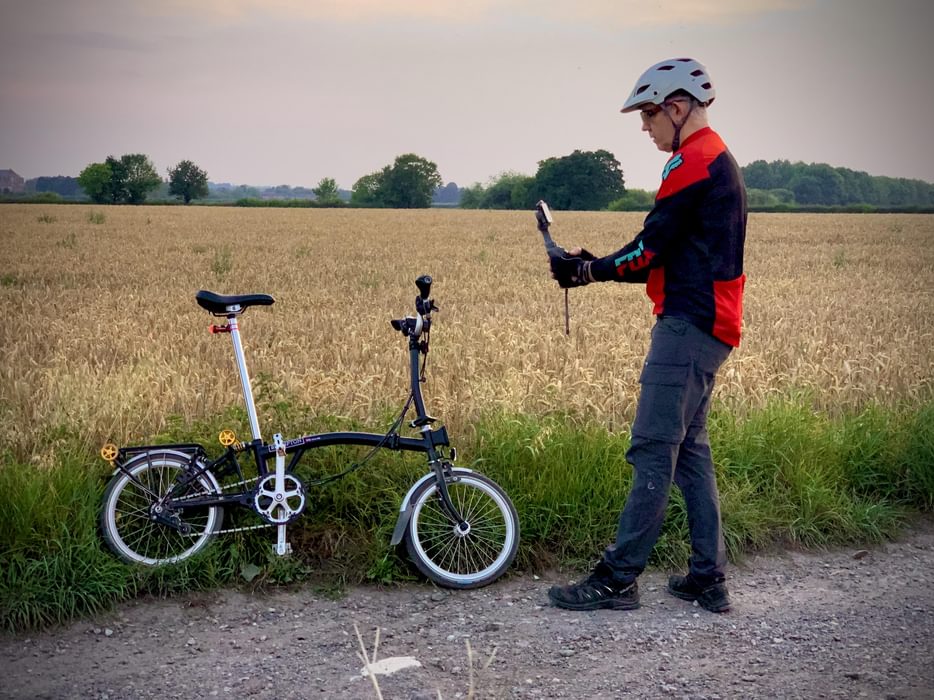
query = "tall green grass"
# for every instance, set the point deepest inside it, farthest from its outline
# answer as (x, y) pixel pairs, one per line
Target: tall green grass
(786, 476)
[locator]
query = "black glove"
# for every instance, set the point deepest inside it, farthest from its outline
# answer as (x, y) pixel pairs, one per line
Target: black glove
(572, 270)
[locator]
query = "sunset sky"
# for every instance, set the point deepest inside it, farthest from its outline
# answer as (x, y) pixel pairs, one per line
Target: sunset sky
(269, 92)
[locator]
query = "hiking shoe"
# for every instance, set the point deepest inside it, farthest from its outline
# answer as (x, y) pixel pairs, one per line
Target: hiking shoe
(713, 596)
(599, 590)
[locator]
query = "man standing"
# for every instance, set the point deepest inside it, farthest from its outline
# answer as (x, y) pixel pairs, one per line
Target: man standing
(689, 255)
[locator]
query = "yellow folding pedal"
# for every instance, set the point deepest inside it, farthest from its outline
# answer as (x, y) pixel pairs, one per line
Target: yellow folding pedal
(109, 452)
(227, 438)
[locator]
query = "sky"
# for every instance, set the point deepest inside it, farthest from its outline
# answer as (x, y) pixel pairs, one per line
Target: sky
(272, 92)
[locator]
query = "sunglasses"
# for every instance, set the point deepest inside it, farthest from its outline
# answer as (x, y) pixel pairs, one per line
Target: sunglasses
(648, 114)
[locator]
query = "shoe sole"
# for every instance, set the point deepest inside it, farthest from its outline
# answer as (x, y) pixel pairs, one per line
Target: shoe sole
(723, 607)
(597, 605)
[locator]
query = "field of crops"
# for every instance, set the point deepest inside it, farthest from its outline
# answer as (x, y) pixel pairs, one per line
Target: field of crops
(101, 336)
(822, 430)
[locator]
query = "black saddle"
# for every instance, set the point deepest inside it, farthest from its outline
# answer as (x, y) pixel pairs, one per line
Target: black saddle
(220, 305)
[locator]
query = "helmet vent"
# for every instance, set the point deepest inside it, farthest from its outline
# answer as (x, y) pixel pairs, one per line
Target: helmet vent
(697, 72)
(642, 88)
(706, 86)
(666, 68)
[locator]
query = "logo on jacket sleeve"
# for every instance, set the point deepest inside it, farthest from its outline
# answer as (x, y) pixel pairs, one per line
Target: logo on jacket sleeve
(634, 260)
(672, 164)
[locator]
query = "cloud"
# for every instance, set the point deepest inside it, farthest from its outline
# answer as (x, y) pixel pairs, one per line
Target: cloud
(613, 14)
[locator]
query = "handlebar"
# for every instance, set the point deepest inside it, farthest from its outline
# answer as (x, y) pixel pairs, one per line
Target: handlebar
(414, 326)
(424, 286)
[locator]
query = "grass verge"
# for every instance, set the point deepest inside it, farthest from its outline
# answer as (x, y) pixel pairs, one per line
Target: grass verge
(786, 476)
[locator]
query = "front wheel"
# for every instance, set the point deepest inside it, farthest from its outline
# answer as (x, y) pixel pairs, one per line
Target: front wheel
(463, 558)
(127, 521)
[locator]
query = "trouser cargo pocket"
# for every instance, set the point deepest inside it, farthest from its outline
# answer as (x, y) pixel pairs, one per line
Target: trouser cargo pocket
(661, 409)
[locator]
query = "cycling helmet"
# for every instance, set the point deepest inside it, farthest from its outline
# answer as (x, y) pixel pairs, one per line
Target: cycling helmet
(667, 77)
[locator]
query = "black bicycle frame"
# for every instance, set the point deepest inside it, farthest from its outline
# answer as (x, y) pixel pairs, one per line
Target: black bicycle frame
(262, 453)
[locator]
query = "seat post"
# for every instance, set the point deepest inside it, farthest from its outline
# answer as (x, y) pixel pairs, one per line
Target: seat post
(244, 376)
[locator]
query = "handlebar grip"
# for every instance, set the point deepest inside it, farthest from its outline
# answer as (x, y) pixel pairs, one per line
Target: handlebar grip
(424, 286)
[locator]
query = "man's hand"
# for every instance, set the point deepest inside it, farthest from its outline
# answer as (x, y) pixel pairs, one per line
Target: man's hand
(573, 268)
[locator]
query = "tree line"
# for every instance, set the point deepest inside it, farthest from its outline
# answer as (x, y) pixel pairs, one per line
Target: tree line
(593, 181)
(130, 178)
(781, 183)
(583, 180)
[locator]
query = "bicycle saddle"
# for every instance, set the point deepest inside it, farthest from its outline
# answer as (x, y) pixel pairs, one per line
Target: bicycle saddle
(219, 304)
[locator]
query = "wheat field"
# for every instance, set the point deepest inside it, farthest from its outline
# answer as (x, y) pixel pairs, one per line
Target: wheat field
(101, 337)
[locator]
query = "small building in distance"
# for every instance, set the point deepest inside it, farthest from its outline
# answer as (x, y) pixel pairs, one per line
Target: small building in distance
(11, 183)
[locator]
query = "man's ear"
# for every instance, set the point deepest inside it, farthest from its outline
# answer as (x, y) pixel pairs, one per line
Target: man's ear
(682, 107)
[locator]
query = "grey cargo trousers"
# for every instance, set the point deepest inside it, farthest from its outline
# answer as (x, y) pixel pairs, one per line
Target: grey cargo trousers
(670, 443)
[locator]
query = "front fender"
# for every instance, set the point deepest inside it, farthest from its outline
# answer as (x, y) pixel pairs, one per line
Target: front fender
(405, 510)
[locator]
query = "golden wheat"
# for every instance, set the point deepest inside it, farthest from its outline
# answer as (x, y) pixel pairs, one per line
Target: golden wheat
(100, 333)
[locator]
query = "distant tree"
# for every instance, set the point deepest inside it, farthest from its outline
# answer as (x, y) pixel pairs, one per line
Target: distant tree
(95, 180)
(807, 189)
(831, 183)
(584, 180)
(784, 196)
(758, 175)
(326, 192)
(116, 190)
(633, 200)
(141, 177)
(187, 181)
(367, 191)
(449, 194)
(757, 198)
(510, 190)
(128, 179)
(409, 183)
(244, 191)
(59, 184)
(472, 196)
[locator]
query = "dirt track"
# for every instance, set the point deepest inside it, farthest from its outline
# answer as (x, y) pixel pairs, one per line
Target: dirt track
(848, 623)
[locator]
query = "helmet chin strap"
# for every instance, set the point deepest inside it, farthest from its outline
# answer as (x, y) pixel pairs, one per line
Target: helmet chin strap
(676, 141)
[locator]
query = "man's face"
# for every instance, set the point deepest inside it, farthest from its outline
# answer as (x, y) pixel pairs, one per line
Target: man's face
(656, 122)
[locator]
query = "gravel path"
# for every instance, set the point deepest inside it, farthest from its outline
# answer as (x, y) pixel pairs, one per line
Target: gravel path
(848, 623)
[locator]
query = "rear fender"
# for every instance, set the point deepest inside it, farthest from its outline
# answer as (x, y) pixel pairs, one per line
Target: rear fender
(191, 458)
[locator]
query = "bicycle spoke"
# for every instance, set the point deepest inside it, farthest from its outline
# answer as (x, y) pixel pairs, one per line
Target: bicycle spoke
(130, 529)
(463, 558)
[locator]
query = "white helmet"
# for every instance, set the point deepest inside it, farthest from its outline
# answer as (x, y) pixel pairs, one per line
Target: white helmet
(661, 80)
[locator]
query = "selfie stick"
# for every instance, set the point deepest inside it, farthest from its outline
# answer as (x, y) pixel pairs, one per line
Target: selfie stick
(545, 219)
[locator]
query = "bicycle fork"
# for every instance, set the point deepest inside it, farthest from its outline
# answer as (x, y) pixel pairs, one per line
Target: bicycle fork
(440, 472)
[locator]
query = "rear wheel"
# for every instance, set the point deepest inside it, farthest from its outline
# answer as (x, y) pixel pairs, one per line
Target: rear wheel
(463, 558)
(127, 520)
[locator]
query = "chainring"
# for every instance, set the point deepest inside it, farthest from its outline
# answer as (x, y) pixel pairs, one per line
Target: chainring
(279, 508)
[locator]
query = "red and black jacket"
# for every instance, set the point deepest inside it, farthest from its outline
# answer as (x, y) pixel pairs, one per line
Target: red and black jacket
(690, 250)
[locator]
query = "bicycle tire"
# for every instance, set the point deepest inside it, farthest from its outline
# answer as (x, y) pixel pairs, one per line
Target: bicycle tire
(470, 560)
(127, 527)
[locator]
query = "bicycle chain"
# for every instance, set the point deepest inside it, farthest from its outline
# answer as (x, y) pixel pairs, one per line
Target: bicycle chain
(230, 530)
